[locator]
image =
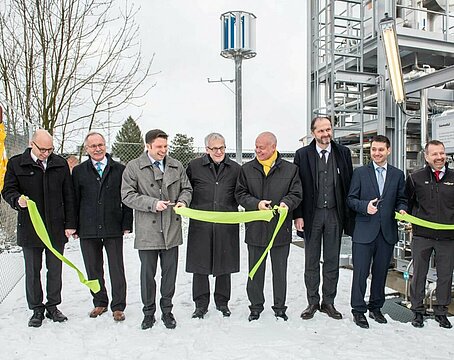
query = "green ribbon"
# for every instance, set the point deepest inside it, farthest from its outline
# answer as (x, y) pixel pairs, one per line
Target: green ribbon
(40, 229)
(424, 223)
(237, 218)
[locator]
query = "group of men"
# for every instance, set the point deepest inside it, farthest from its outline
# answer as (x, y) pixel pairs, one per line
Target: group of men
(320, 191)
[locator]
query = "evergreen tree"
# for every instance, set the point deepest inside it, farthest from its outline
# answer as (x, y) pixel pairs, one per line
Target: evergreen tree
(128, 143)
(182, 148)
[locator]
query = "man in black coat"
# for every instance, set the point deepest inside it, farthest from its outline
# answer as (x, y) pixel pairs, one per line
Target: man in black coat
(43, 177)
(266, 181)
(325, 169)
(377, 191)
(103, 219)
(213, 248)
(430, 192)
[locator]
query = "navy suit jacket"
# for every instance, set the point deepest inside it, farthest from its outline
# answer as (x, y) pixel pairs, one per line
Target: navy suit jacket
(363, 189)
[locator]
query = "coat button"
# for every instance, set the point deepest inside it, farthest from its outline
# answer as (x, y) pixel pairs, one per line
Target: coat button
(99, 226)
(151, 185)
(154, 221)
(99, 202)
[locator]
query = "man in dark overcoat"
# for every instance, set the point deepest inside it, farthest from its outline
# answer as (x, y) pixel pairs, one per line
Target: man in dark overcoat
(103, 220)
(266, 181)
(43, 177)
(213, 248)
(325, 169)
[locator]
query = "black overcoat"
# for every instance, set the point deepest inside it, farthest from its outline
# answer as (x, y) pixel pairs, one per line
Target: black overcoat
(282, 184)
(306, 158)
(101, 214)
(213, 248)
(51, 190)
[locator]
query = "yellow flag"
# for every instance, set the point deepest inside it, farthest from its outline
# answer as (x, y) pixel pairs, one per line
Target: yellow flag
(3, 159)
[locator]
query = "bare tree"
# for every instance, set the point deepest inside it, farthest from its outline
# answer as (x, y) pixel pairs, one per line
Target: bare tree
(64, 62)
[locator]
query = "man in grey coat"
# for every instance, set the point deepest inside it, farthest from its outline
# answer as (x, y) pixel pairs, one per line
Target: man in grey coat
(152, 185)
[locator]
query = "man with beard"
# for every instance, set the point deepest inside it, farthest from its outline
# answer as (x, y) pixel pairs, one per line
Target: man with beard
(325, 169)
(430, 192)
(377, 191)
(213, 248)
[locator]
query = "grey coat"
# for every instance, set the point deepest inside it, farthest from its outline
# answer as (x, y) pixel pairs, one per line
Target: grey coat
(142, 187)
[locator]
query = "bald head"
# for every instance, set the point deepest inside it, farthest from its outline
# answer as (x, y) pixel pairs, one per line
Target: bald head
(265, 145)
(42, 144)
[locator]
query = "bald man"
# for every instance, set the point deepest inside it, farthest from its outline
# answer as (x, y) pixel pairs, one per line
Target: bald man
(266, 181)
(43, 177)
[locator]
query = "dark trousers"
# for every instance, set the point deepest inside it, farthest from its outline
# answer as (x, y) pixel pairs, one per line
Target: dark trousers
(33, 258)
(149, 263)
(94, 264)
(379, 253)
(201, 290)
(279, 257)
(325, 229)
(421, 250)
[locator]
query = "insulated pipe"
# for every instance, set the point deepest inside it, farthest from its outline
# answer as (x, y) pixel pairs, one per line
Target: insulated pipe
(424, 118)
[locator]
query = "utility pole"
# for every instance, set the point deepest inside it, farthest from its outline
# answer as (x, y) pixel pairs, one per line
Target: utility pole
(238, 43)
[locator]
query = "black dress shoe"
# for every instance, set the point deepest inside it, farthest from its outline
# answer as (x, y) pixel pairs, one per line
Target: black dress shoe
(360, 320)
(254, 315)
(331, 311)
(308, 313)
(443, 321)
(148, 322)
(199, 312)
(418, 320)
(37, 319)
(377, 316)
(224, 309)
(281, 314)
(169, 320)
(56, 315)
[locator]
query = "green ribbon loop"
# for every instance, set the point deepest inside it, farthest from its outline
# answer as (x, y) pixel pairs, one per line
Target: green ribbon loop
(40, 229)
(424, 223)
(237, 218)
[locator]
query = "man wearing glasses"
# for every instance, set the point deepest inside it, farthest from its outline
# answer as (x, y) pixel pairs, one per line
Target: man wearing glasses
(43, 177)
(213, 249)
(103, 220)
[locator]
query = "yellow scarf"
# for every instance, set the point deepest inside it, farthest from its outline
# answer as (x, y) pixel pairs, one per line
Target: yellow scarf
(267, 164)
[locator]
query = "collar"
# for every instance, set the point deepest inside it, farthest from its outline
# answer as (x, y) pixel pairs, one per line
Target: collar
(376, 166)
(35, 158)
(319, 149)
(442, 170)
(103, 162)
(153, 161)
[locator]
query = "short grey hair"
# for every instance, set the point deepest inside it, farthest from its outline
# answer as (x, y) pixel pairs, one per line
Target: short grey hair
(213, 136)
(91, 133)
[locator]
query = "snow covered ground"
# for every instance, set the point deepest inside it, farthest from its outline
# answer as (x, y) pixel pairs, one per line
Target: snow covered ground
(214, 337)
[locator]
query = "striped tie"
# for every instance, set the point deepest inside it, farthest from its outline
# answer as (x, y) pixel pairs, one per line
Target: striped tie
(99, 168)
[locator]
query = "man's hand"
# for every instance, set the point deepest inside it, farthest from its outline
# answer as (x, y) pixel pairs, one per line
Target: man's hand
(402, 212)
(126, 232)
(372, 207)
(22, 201)
(264, 205)
(180, 204)
(162, 205)
(283, 205)
(69, 232)
(299, 224)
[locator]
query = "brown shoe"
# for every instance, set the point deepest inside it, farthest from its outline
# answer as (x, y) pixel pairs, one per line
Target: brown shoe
(97, 311)
(118, 315)
(308, 313)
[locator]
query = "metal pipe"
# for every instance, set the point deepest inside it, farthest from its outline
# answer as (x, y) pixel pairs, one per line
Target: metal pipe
(238, 109)
(424, 117)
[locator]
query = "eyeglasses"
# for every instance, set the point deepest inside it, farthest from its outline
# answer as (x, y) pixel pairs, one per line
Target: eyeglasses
(43, 150)
(94, 146)
(216, 149)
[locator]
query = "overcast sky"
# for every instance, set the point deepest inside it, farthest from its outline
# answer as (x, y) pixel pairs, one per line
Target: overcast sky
(185, 35)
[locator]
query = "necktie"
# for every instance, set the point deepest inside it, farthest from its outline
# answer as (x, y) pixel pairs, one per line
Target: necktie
(324, 155)
(437, 175)
(157, 164)
(99, 168)
(40, 164)
(380, 179)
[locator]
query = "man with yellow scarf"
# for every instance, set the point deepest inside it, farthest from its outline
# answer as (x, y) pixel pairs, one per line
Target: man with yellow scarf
(266, 181)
